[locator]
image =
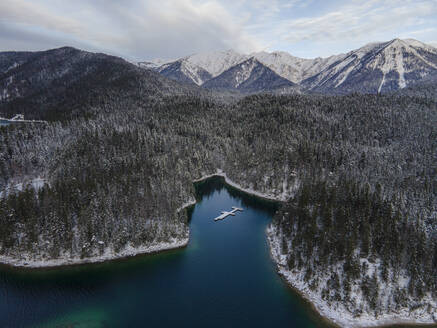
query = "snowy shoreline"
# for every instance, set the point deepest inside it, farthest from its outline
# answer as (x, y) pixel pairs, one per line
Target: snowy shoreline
(319, 306)
(220, 173)
(108, 255)
(339, 318)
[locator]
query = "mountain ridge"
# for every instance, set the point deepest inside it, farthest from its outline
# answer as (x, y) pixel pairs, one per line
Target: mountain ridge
(65, 81)
(248, 77)
(377, 67)
(374, 68)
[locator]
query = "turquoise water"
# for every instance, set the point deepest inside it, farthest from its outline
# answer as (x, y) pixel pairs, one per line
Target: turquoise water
(224, 278)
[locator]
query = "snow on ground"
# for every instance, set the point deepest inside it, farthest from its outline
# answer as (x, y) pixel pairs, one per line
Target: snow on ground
(382, 83)
(281, 196)
(109, 254)
(337, 312)
(189, 203)
(215, 63)
(195, 65)
(396, 56)
(245, 72)
(36, 184)
(28, 261)
(344, 75)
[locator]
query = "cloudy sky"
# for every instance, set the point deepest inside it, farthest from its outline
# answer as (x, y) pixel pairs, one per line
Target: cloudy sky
(148, 29)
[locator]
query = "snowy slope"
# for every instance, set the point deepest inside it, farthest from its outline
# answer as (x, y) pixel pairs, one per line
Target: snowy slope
(215, 63)
(198, 68)
(249, 76)
(293, 68)
(193, 67)
(183, 71)
(154, 64)
(354, 313)
(377, 67)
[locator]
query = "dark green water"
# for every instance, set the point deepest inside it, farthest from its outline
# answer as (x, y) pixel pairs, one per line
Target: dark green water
(224, 278)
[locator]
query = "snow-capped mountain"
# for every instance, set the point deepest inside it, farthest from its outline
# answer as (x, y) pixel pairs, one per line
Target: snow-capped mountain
(184, 71)
(198, 68)
(293, 68)
(249, 76)
(376, 67)
(216, 63)
(154, 64)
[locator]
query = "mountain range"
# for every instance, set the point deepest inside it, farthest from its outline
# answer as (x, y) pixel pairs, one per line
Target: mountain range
(373, 68)
(66, 81)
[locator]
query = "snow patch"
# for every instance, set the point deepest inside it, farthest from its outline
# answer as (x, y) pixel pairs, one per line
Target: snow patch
(382, 83)
(36, 183)
(245, 72)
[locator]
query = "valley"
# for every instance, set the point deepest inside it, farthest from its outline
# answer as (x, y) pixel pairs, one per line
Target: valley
(115, 164)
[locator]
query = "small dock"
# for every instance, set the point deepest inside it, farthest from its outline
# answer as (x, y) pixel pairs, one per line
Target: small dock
(225, 214)
(19, 118)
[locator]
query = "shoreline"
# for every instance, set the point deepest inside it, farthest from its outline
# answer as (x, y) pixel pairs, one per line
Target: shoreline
(314, 303)
(229, 182)
(129, 252)
(108, 256)
(327, 314)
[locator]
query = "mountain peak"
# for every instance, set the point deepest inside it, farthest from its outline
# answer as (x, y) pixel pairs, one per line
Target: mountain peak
(398, 42)
(378, 67)
(375, 67)
(292, 68)
(209, 63)
(250, 76)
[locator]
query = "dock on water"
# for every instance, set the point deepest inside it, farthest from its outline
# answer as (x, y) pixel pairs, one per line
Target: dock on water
(225, 214)
(19, 118)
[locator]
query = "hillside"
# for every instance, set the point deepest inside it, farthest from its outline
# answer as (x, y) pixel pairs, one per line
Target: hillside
(379, 67)
(249, 77)
(67, 82)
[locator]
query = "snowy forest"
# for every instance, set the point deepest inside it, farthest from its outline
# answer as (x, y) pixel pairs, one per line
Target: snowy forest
(359, 173)
(358, 250)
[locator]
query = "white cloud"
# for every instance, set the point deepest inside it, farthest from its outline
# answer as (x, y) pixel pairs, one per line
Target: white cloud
(145, 29)
(140, 29)
(363, 21)
(351, 22)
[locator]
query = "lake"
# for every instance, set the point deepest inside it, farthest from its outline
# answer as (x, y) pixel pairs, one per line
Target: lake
(224, 278)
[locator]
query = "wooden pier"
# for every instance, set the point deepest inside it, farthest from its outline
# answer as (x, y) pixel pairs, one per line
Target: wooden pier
(225, 214)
